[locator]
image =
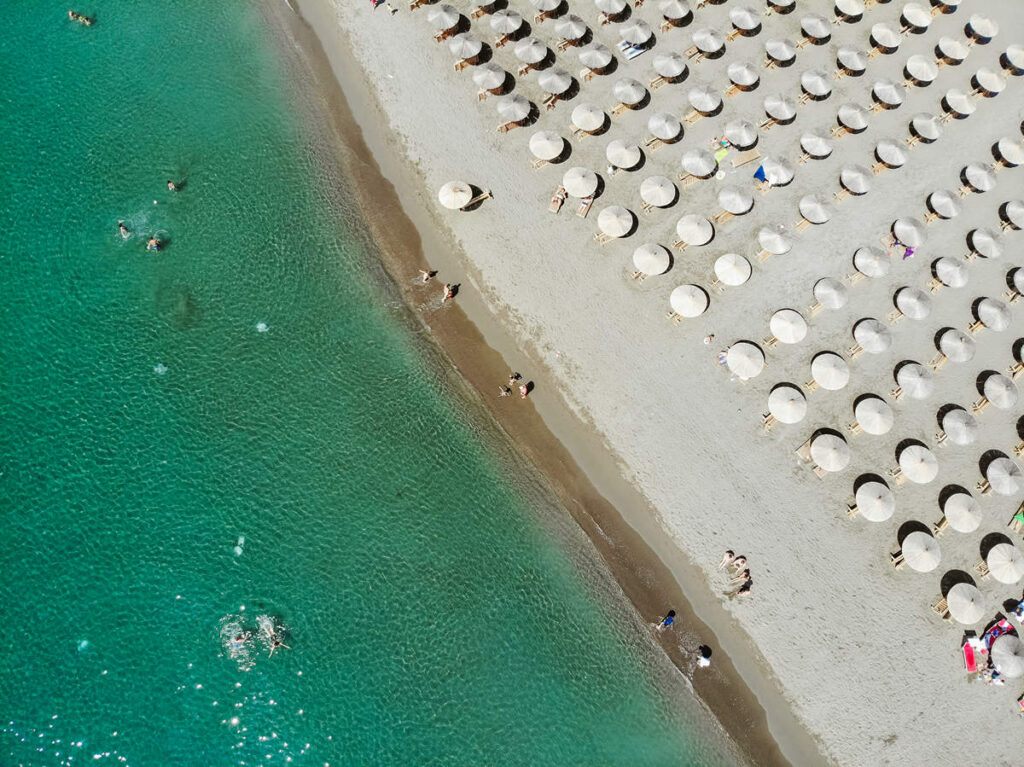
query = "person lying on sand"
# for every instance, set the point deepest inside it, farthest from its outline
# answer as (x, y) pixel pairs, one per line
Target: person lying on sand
(738, 564)
(727, 558)
(504, 391)
(741, 577)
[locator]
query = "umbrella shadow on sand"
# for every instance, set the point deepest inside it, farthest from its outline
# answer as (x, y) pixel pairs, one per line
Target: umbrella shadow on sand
(951, 578)
(987, 458)
(990, 541)
(911, 526)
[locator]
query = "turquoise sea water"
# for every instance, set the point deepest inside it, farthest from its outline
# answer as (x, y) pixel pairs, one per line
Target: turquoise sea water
(255, 380)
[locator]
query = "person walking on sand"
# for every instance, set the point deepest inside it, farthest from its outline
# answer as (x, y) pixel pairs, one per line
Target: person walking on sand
(504, 391)
(512, 378)
(523, 391)
(425, 276)
(667, 621)
(744, 590)
(727, 558)
(448, 292)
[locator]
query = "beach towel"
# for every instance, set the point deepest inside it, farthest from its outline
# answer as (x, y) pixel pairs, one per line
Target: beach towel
(721, 154)
(629, 50)
(1002, 627)
(970, 661)
(759, 173)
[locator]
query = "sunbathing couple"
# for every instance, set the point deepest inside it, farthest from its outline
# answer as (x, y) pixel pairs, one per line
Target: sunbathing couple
(741, 581)
(76, 16)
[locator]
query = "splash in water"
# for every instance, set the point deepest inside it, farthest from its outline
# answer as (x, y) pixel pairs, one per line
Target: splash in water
(160, 369)
(237, 641)
(262, 327)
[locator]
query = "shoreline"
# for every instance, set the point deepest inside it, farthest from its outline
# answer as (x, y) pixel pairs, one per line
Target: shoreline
(741, 693)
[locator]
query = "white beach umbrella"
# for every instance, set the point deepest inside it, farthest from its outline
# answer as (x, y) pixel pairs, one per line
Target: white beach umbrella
(571, 27)
(982, 26)
(708, 40)
(1007, 655)
(980, 177)
(595, 56)
(853, 60)
(874, 415)
(611, 7)
(651, 258)
(455, 194)
(745, 18)
(1008, 151)
(910, 231)
(1015, 278)
(443, 17)
(615, 221)
(959, 102)
(875, 501)
(1000, 390)
(741, 133)
(777, 170)
(1013, 59)
(852, 116)
(944, 203)
(629, 91)
(732, 269)
(675, 10)
(885, 36)
(952, 49)
(890, 152)
(856, 179)
(962, 511)
(688, 300)
(669, 65)
(873, 336)
(1013, 211)
(993, 314)
(830, 452)
(530, 50)
(960, 427)
(588, 117)
(665, 126)
(555, 81)
(506, 22)
(950, 272)
(513, 107)
(956, 345)
(916, 380)
(787, 403)
(694, 230)
(815, 82)
(850, 8)
(918, 464)
(926, 125)
(921, 551)
(1005, 563)
(742, 73)
(780, 50)
(580, 182)
(815, 208)
(1004, 475)
(699, 162)
(464, 46)
(658, 191)
(831, 293)
(638, 33)
(735, 200)
(774, 241)
(622, 155)
(779, 107)
(788, 325)
(745, 360)
(921, 69)
(887, 92)
(913, 303)
(703, 99)
(965, 603)
(916, 16)
(871, 261)
(546, 145)
(817, 144)
(830, 371)
(815, 27)
(489, 76)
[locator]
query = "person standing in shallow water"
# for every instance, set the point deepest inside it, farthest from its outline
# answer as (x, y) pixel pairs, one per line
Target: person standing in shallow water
(668, 621)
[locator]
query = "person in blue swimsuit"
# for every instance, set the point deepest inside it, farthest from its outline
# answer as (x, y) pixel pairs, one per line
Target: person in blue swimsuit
(668, 620)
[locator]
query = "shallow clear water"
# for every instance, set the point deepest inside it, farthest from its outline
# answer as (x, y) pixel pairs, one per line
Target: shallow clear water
(254, 379)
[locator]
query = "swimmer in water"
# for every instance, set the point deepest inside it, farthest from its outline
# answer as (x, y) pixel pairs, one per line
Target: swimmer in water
(153, 244)
(171, 186)
(239, 640)
(125, 231)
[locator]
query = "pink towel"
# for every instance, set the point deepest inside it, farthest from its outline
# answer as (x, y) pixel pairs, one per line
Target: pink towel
(970, 661)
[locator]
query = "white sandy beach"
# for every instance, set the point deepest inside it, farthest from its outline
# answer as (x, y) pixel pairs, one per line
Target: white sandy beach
(872, 672)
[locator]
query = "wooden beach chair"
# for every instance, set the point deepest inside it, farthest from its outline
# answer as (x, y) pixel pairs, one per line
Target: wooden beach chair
(984, 487)
(804, 451)
(557, 200)
(768, 124)
(854, 428)
(538, 163)
(855, 351)
(540, 18)
(692, 117)
(980, 405)
(414, 4)
(940, 527)
(722, 216)
(935, 285)
(896, 558)
(731, 91)
(551, 100)
(853, 278)
(587, 74)
(941, 438)
(687, 179)
(815, 308)
(768, 421)
(894, 316)
(584, 207)
(693, 52)
(981, 569)
(502, 41)
(638, 276)
(618, 109)
(602, 238)
(975, 327)
(525, 68)
(564, 43)
(801, 225)
(1016, 369)
(477, 12)
(1018, 449)
(839, 131)
(656, 83)
(896, 393)
(742, 158)
(445, 34)
(681, 245)
(506, 127)
(942, 608)
(936, 362)
(654, 143)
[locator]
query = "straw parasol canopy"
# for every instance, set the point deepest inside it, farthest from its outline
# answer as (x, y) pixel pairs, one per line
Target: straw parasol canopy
(742, 73)
(956, 345)
(651, 258)
(675, 10)
(699, 162)
(921, 551)
(1009, 151)
(622, 155)
(703, 99)
(993, 314)
(1000, 390)
(658, 191)
(735, 200)
(782, 51)
(830, 452)
(927, 126)
(872, 335)
(831, 293)
(489, 76)
(588, 117)
(952, 49)
(443, 17)
(1005, 563)
(571, 27)
(555, 81)
(892, 153)
(513, 107)
(455, 194)
(777, 170)
(665, 126)
(921, 69)
(852, 116)
(885, 36)
(916, 380)
(779, 107)
(629, 91)
(464, 46)
(944, 203)
(694, 230)
(637, 33)
(788, 325)
(688, 300)
(774, 241)
(917, 16)
(745, 360)
(741, 133)
(817, 144)
(950, 272)
(1007, 655)
(1004, 475)
(546, 145)
(875, 501)
(732, 269)
(830, 371)
(815, 208)
(910, 231)
(745, 18)
(815, 82)
(982, 26)
(506, 22)
(816, 27)
(615, 221)
(960, 426)
(887, 92)
(965, 603)
(595, 56)
(580, 182)
(1013, 211)
(852, 59)
(530, 50)
(874, 415)
(913, 303)
(871, 261)
(918, 464)
(963, 512)
(611, 7)
(708, 40)
(669, 65)
(787, 403)
(980, 177)
(959, 102)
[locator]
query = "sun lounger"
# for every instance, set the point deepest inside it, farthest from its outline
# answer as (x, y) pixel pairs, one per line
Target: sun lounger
(940, 527)
(897, 559)
(602, 238)
(654, 143)
(476, 13)
(981, 569)
(584, 207)
(743, 158)
(804, 452)
(692, 116)
(460, 65)
(1018, 449)
(618, 109)
(445, 34)
(506, 127)
(538, 163)
(541, 17)
(502, 41)
(656, 83)
(587, 74)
